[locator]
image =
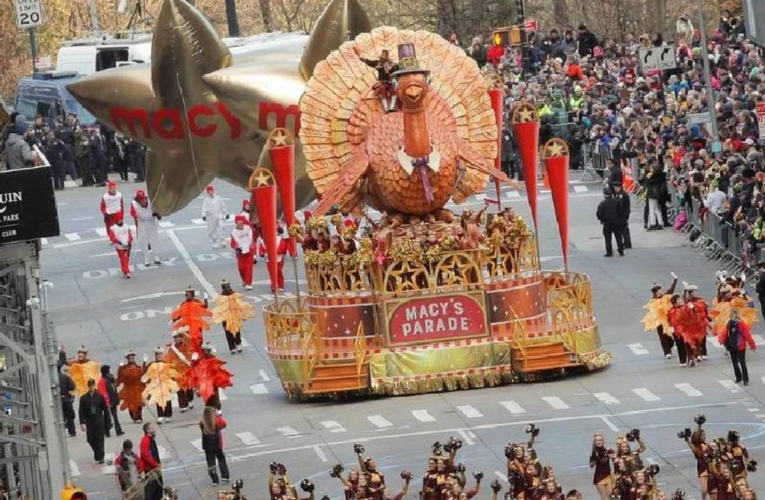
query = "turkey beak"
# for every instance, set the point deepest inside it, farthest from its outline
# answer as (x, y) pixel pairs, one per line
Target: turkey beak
(413, 92)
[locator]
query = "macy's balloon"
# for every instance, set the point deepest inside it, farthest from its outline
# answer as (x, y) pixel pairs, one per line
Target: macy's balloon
(193, 136)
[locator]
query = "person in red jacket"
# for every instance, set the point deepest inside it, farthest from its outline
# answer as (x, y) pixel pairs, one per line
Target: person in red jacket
(121, 236)
(128, 467)
(243, 243)
(152, 465)
(496, 52)
(111, 205)
(735, 337)
(211, 426)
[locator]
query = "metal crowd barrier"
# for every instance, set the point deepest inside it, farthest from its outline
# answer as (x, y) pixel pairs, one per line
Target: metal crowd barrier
(565, 130)
(594, 158)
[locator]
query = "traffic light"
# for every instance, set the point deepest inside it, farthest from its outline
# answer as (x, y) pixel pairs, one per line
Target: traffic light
(71, 492)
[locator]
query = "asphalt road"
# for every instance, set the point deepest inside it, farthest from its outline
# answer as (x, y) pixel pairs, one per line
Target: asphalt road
(92, 304)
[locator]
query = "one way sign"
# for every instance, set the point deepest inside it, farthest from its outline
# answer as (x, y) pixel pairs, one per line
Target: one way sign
(662, 58)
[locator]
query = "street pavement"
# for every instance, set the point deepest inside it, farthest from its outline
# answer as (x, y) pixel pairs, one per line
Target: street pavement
(92, 304)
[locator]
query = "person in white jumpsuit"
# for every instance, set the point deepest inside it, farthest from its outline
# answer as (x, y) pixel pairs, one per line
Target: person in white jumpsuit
(146, 222)
(214, 212)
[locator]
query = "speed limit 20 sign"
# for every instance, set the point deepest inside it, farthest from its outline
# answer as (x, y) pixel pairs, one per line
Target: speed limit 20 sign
(29, 13)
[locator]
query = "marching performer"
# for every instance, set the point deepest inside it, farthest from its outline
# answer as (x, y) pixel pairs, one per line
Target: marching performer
(179, 356)
(656, 318)
(245, 209)
(191, 314)
(83, 369)
(122, 238)
(208, 375)
(674, 316)
(159, 378)
(243, 243)
(600, 462)
(112, 205)
(231, 310)
(282, 247)
(146, 222)
(214, 211)
(694, 324)
(130, 387)
(732, 298)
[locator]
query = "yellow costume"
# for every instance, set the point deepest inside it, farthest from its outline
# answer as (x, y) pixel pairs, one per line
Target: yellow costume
(232, 309)
(658, 314)
(82, 371)
(721, 313)
(160, 383)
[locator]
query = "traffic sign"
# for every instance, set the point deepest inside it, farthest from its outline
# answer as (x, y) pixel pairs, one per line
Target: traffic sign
(42, 62)
(28, 13)
(661, 58)
(760, 110)
(530, 25)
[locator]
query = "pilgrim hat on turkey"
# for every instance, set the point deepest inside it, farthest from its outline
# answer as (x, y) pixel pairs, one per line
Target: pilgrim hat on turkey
(407, 61)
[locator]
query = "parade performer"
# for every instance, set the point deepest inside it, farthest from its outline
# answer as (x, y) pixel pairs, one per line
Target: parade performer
(159, 378)
(282, 247)
(656, 318)
(178, 356)
(245, 209)
(231, 310)
(191, 314)
(694, 324)
(214, 212)
(674, 316)
(146, 222)
(208, 375)
(600, 462)
(243, 243)
(83, 369)
(732, 299)
(384, 87)
(130, 387)
(112, 205)
(66, 389)
(121, 236)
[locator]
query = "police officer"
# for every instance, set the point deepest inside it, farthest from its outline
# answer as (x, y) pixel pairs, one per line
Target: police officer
(624, 200)
(67, 389)
(609, 214)
(97, 155)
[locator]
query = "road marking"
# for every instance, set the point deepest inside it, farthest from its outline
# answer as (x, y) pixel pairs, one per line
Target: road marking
(192, 265)
(72, 236)
(43, 241)
(287, 431)
(469, 411)
(651, 461)
(248, 438)
(198, 222)
(500, 475)
(638, 349)
(753, 410)
(165, 224)
(222, 395)
(580, 189)
(760, 415)
(758, 339)
(164, 453)
(606, 398)
(513, 407)
(610, 424)
(197, 443)
(379, 421)
(730, 385)
(74, 469)
(333, 426)
(646, 394)
(101, 231)
(264, 375)
(320, 453)
(467, 436)
(689, 390)
(513, 194)
(556, 402)
(245, 343)
(544, 191)
(423, 416)
(259, 389)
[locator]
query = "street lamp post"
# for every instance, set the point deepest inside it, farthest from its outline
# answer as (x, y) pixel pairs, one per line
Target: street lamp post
(716, 146)
(520, 21)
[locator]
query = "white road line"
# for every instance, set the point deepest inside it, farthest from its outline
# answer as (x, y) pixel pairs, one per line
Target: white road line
(469, 411)
(512, 194)
(166, 224)
(74, 469)
(320, 453)
(689, 390)
(544, 191)
(467, 436)
(513, 407)
(638, 349)
(423, 416)
(192, 265)
(264, 375)
(610, 424)
(606, 398)
(198, 222)
(164, 453)
(259, 389)
(500, 475)
(379, 421)
(760, 415)
(645, 394)
(248, 438)
(758, 339)
(753, 410)
(72, 236)
(555, 402)
(43, 241)
(222, 395)
(287, 431)
(197, 443)
(714, 343)
(101, 231)
(580, 189)
(333, 426)
(246, 344)
(730, 385)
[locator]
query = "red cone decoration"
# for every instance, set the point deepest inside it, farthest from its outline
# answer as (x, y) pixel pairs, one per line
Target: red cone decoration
(526, 130)
(556, 156)
(263, 190)
(281, 147)
(497, 104)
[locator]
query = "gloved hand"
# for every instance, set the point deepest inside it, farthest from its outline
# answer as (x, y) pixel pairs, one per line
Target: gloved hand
(195, 356)
(204, 218)
(228, 216)
(239, 251)
(674, 276)
(106, 218)
(207, 296)
(145, 358)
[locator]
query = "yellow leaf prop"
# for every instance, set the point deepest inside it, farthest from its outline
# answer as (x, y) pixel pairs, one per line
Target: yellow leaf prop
(233, 309)
(160, 383)
(658, 314)
(81, 372)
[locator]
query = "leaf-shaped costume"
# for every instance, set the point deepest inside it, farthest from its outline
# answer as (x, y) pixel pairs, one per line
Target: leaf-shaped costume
(208, 374)
(233, 309)
(82, 371)
(657, 315)
(192, 314)
(179, 357)
(693, 322)
(160, 383)
(721, 313)
(130, 386)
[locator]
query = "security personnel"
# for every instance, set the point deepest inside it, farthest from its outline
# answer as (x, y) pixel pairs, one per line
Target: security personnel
(609, 214)
(624, 200)
(67, 389)
(92, 410)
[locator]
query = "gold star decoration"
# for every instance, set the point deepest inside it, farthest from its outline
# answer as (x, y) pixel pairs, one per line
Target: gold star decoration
(261, 177)
(279, 137)
(525, 112)
(554, 148)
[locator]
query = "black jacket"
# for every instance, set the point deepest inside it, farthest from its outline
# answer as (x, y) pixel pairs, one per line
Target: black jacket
(624, 202)
(65, 384)
(92, 408)
(761, 288)
(610, 212)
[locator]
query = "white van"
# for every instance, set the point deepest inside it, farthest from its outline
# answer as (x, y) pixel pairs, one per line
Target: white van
(87, 56)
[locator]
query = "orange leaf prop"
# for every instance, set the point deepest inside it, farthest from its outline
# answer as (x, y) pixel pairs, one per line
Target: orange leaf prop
(192, 314)
(82, 372)
(130, 387)
(160, 383)
(180, 361)
(232, 309)
(208, 374)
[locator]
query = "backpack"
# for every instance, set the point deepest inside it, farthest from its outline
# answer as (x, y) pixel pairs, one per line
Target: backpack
(734, 333)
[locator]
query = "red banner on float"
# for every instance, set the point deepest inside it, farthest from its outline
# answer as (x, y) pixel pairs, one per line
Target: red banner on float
(263, 192)
(281, 147)
(443, 317)
(497, 97)
(556, 158)
(526, 131)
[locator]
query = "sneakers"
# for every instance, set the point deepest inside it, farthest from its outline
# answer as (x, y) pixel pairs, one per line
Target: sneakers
(233, 351)
(191, 406)
(667, 356)
(239, 349)
(226, 479)
(746, 383)
(160, 420)
(215, 245)
(127, 276)
(248, 287)
(184, 410)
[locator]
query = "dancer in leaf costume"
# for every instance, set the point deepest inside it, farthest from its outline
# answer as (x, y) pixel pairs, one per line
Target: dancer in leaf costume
(130, 387)
(208, 375)
(160, 386)
(192, 313)
(657, 316)
(732, 297)
(231, 310)
(694, 324)
(83, 369)
(179, 355)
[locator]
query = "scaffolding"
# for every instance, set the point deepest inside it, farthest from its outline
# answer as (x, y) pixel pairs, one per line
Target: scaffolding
(34, 460)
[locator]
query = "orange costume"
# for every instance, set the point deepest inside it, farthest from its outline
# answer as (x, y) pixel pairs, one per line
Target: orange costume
(179, 355)
(83, 369)
(130, 387)
(207, 375)
(191, 314)
(694, 322)
(721, 313)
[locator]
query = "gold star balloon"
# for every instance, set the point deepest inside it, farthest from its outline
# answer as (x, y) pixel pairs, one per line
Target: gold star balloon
(554, 148)
(193, 136)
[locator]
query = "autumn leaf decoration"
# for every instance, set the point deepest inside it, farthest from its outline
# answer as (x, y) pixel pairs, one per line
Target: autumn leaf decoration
(206, 375)
(233, 309)
(160, 383)
(82, 372)
(192, 314)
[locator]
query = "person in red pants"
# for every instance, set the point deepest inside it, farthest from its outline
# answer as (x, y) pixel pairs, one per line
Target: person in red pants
(111, 205)
(282, 247)
(243, 243)
(121, 235)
